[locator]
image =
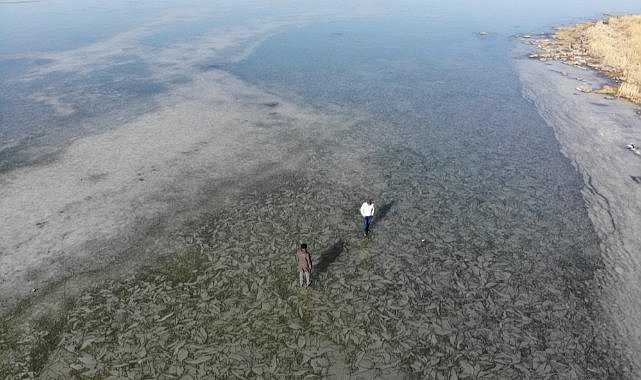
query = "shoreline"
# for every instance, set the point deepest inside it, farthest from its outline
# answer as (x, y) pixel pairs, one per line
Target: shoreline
(608, 46)
(593, 130)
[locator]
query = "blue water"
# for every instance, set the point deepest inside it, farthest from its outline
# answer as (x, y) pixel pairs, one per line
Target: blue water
(50, 26)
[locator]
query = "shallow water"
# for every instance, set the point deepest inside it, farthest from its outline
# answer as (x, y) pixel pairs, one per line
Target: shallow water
(482, 258)
(488, 183)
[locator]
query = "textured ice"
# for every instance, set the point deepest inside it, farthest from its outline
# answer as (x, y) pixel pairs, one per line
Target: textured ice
(166, 239)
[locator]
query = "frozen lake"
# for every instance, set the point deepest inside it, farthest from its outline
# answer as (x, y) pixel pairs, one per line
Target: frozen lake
(161, 162)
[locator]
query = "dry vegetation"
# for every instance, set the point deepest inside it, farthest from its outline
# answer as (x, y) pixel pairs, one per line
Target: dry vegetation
(612, 46)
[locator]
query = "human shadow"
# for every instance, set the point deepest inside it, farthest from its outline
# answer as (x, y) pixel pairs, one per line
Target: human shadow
(328, 256)
(383, 211)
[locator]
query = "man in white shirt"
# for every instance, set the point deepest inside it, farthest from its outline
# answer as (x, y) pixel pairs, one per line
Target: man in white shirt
(367, 211)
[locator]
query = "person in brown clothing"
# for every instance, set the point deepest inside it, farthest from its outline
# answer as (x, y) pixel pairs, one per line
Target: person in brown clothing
(304, 259)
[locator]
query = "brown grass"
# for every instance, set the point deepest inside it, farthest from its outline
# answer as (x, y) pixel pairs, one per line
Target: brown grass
(612, 46)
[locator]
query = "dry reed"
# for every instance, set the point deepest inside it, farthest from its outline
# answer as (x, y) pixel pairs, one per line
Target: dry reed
(612, 46)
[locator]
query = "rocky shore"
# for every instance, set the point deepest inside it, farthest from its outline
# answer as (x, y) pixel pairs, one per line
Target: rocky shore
(608, 46)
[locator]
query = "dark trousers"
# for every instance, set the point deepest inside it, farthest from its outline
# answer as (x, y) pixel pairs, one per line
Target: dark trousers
(367, 220)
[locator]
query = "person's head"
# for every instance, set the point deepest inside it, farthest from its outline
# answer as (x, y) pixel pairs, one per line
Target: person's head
(370, 201)
(303, 246)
